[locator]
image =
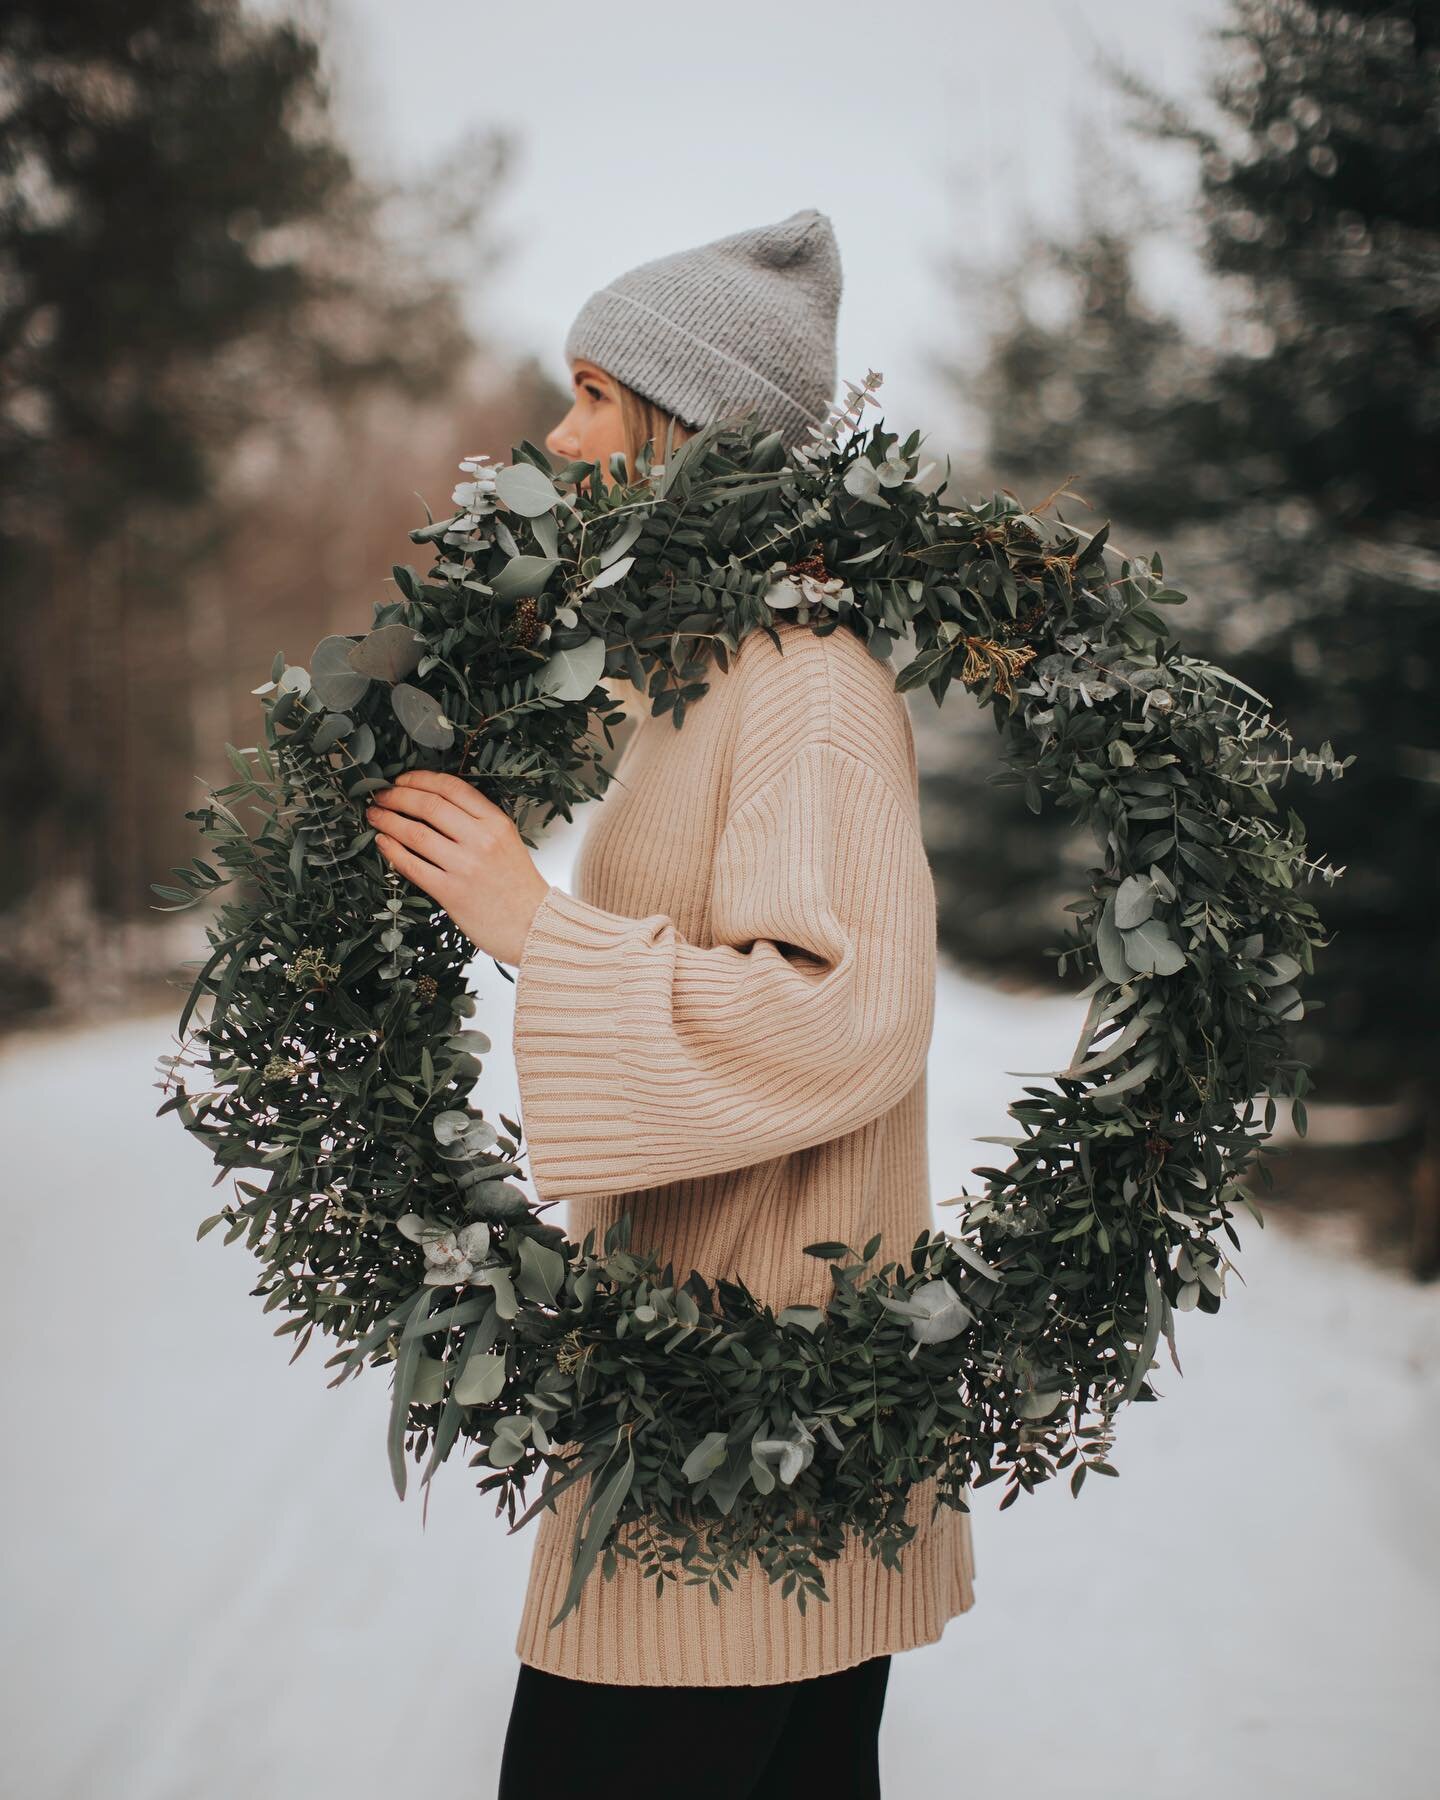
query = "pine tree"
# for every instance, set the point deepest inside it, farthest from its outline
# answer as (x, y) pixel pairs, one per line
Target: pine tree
(1289, 467)
(185, 249)
(191, 268)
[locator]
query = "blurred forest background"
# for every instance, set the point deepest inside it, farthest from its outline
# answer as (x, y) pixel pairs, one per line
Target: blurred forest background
(232, 364)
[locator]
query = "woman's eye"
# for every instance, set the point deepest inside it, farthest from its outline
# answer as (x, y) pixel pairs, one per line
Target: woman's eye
(594, 392)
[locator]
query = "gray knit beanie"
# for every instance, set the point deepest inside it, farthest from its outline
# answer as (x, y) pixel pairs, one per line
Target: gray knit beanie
(742, 321)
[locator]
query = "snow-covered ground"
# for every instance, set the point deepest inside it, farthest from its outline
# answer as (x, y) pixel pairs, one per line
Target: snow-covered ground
(211, 1591)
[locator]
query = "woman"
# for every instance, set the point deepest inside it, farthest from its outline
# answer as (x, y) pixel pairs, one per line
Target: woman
(722, 1031)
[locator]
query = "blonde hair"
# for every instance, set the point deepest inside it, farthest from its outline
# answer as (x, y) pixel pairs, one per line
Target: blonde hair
(644, 422)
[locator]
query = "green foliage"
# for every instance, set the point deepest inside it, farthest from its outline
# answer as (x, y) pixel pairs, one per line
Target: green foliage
(711, 1428)
(190, 267)
(185, 246)
(1289, 452)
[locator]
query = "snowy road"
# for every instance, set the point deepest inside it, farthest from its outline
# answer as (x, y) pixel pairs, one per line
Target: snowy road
(211, 1591)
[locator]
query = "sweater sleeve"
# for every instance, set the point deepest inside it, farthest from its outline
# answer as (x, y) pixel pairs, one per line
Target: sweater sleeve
(645, 1059)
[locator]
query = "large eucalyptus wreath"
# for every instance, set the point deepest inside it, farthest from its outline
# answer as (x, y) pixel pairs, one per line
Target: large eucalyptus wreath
(339, 1071)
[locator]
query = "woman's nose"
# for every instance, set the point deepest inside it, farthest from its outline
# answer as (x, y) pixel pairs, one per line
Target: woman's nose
(560, 441)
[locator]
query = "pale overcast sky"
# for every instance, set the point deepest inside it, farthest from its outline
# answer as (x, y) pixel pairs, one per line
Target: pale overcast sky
(917, 127)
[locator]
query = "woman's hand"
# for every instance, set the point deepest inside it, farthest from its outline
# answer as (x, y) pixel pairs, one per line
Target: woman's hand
(465, 852)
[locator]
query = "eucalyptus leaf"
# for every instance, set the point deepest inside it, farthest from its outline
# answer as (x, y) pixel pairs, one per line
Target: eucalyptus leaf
(1134, 901)
(337, 683)
(526, 489)
(705, 1458)
(505, 1449)
(597, 1521)
(619, 544)
(542, 1272)
(482, 1381)
(523, 577)
(1110, 946)
(388, 653)
(1135, 1076)
(507, 1305)
(428, 1388)
(573, 674)
(361, 744)
(490, 1199)
(331, 730)
(617, 571)
(406, 1363)
(547, 534)
(421, 715)
(1150, 949)
(1040, 1405)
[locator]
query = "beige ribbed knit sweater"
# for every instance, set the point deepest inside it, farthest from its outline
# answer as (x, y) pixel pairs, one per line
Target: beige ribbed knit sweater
(724, 1031)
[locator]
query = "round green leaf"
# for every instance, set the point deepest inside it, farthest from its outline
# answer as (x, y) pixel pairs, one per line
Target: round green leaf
(526, 489)
(336, 681)
(1134, 901)
(483, 1379)
(389, 653)
(573, 674)
(1150, 949)
(523, 577)
(421, 715)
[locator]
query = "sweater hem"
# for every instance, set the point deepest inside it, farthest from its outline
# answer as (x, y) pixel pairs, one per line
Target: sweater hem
(897, 1648)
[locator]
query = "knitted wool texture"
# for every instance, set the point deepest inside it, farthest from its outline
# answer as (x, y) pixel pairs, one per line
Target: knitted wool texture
(743, 321)
(724, 1031)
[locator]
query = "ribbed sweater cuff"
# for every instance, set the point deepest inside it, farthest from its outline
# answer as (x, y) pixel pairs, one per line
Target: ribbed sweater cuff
(567, 1039)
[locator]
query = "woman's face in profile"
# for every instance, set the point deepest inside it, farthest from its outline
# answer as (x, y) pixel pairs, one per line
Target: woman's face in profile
(592, 430)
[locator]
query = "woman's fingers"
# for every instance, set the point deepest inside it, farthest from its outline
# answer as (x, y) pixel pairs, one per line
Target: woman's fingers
(424, 840)
(436, 810)
(447, 789)
(462, 850)
(414, 868)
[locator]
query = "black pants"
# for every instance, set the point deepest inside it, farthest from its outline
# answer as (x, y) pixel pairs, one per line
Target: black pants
(591, 1740)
